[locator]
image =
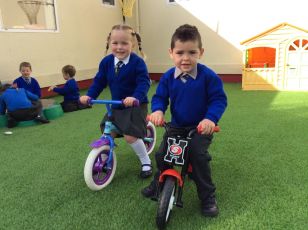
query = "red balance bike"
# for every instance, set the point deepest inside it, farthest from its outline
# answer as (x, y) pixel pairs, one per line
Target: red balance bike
(171, 181)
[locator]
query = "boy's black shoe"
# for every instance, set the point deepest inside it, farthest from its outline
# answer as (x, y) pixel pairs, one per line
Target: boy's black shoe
(209, 207)
(190, 176)
(41, 119)
(150, 191)
(11, 122)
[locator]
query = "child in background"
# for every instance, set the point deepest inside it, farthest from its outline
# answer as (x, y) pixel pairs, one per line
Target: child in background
(127, 76)
(26, 81)
(20, 104)
(193, 87)
(70, 90)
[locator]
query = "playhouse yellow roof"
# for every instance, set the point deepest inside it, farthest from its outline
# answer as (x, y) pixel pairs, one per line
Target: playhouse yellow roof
(276, 33)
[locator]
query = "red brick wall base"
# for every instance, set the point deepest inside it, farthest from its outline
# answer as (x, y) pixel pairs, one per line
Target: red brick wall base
(84, 84)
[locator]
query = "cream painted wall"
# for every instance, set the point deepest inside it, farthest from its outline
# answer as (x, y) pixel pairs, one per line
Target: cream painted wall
(84, 26)
(223, 25)
(158, 21)
(81, 41)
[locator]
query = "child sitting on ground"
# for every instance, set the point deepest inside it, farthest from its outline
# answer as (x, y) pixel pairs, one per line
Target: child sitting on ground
(20, 105)
(26, 81)
(70, 90)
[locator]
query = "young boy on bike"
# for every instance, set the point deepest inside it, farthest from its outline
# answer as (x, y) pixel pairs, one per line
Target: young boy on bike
(197, 100)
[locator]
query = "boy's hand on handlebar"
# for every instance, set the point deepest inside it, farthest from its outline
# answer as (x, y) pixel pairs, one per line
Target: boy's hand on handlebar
(84, 99)
(206, 126)
(157, 118)
(129, 101)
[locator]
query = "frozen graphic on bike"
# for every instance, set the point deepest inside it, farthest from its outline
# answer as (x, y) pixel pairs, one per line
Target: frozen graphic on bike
(175, 151)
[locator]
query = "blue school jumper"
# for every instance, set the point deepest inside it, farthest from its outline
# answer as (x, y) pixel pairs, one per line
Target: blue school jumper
(132, 79)
(14, 99)
(70, 90)
(192, 101)
(33, 87)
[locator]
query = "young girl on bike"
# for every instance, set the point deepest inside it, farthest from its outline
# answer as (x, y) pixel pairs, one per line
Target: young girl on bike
(127, 76)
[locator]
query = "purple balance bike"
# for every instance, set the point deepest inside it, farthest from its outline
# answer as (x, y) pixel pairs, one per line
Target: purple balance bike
(101, 163)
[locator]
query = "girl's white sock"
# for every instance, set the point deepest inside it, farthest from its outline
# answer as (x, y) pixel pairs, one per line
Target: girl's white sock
(140, 150)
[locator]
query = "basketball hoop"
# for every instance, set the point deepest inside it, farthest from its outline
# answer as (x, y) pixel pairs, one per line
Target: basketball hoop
(31, 9)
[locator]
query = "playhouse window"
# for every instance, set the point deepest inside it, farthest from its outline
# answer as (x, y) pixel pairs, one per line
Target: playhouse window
(301, 44)
(260, 57)
(28, 15)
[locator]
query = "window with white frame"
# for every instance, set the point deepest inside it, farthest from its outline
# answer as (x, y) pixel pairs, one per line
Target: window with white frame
(174, 2)
(108, 2)
(28, 15)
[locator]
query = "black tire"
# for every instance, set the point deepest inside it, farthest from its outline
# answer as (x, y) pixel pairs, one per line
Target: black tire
(166, 202)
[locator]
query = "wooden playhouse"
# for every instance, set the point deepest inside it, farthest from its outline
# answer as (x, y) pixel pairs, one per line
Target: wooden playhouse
(276, 59)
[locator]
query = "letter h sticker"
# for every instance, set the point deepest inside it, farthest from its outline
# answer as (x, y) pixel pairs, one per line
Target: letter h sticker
(175, 151)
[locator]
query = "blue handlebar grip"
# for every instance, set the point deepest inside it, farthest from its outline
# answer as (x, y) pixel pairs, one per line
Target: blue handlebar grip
(112, 102)
(89, 102)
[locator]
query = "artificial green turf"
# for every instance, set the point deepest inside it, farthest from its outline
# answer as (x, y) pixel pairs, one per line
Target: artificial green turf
(259, 166)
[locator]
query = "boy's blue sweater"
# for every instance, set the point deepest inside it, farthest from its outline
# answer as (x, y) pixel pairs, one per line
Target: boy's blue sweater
(192, 101)
(34, 87)
(70, 90)
(132, 79)
(13, 99)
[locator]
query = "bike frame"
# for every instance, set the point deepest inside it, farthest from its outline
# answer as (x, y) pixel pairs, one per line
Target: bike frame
(179, 175)
(101, 163)
(106, 138)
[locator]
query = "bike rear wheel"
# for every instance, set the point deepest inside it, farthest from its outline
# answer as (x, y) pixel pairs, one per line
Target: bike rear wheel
(166, 202)
(150, 139)
(97, 174)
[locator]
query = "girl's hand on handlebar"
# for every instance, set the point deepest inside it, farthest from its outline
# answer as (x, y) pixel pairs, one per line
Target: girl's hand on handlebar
(84, 99)
(129, 101)
(206, 126)
(157, 118)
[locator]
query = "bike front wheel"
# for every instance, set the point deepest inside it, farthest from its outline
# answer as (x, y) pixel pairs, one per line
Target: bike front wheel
(166, 202)
(150, 139)
(97, 173)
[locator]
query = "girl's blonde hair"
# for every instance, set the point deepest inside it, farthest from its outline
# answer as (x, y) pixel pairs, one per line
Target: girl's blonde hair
(136, 36)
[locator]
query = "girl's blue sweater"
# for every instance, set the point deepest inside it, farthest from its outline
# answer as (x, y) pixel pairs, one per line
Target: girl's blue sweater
(132, 79)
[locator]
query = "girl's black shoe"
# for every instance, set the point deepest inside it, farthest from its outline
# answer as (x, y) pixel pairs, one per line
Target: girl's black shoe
(146, 174)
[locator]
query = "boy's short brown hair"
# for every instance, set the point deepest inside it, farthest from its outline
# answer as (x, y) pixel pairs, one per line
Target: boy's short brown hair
(25, 64)
(69, 69)
(186, 33)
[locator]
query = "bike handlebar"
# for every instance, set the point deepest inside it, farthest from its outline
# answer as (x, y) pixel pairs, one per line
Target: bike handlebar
(111, 102)
(198, 129)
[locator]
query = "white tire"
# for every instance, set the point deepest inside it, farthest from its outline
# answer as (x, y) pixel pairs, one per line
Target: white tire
(96, 180)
